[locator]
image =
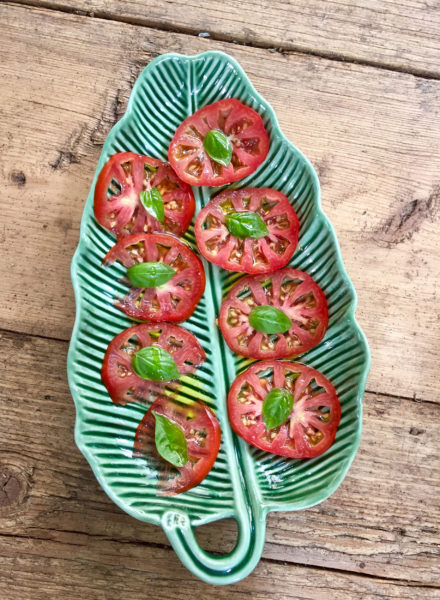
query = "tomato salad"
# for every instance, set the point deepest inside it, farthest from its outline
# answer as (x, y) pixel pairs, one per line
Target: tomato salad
(279, 315)
(285, 408)
(275, 312)
(195, 434)
(165, 276)
(144, 361)
(140, 194)
(251, 230)
(218, 144)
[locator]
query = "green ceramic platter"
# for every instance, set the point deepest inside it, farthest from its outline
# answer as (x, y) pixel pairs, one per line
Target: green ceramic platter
(245, 483)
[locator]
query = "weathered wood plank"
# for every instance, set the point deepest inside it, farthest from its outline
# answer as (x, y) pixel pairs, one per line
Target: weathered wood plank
(382, 521)
(107, 570)
(398, 34)
(372, 134)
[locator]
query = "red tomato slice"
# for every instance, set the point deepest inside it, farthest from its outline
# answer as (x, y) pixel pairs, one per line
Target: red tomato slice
(262, 255)
(117, 204)
(202, 433)
(290, 290)
(242, 126)
(173, 301)
(123, 385)
(310, 428)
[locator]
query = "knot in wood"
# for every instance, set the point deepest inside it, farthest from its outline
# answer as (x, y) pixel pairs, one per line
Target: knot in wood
(14, 484)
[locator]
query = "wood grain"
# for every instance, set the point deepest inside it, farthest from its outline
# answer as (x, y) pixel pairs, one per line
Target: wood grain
(112, 570)
(398, 34)
(107, 570)
(381, 522)
(373, 136)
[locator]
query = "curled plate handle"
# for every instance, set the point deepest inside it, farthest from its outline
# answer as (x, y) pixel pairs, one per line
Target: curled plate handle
(217, 570)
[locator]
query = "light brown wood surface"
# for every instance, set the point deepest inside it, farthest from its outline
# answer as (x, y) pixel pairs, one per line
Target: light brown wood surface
(355, 530)
(373, 135)
(397, 34)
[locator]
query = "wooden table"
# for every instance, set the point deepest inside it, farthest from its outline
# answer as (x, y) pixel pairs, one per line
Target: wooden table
(356, 86)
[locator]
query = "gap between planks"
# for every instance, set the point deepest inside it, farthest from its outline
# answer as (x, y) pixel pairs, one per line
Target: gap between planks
(273, 561)
(331, 57)
(64, 341)
(41, 476)
(349, 151)
(219, 37)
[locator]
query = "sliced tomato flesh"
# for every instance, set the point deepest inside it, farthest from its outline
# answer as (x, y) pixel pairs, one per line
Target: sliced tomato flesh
(174, 301)
(202, 434)
(249, 255)
(243, 127)
(310, 428)
(117, 202)
(290, 290)
(123, 384)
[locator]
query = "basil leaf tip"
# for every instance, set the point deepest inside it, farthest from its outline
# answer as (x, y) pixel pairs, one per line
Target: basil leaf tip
(218, 147)
(269, 319)
(246, 225)
(152, 201)
(277, 407)
(155, 364)
(170, 441)
(149, 274)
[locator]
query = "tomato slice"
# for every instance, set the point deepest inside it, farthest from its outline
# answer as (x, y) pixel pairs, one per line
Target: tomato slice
(117, 202)
(242, 126)
(173, 301)
(290, 290)
(262, 255)
(310, 428)
(202, 433)
(123, 385)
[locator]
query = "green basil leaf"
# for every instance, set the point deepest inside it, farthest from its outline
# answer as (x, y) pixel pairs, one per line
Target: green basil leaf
(277, 406)
(152, 201)
(155, 364)
(246, 225)
(269, 319)
(149, 274)
(218, 147)
(170, 441)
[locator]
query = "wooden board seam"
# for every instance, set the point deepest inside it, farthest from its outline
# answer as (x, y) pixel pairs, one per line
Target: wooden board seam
(63, 341)
(6, 331)
(403, 582)
(397, 397)
(157, 26)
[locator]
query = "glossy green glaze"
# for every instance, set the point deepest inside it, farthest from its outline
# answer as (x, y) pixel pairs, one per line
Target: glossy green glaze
(245, 483)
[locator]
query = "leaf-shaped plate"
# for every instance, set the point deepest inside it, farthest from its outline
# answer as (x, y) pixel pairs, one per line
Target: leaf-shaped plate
(245, 483)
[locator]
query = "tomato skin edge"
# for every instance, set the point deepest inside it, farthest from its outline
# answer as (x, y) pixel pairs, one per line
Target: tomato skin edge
(271, 354)
(317, 450)
(148, 421)
(169, 316)
(206, 180)
(101, 208)
(275, 262)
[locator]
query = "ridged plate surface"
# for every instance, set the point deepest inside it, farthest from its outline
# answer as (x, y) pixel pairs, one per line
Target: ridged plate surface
(245, 483)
